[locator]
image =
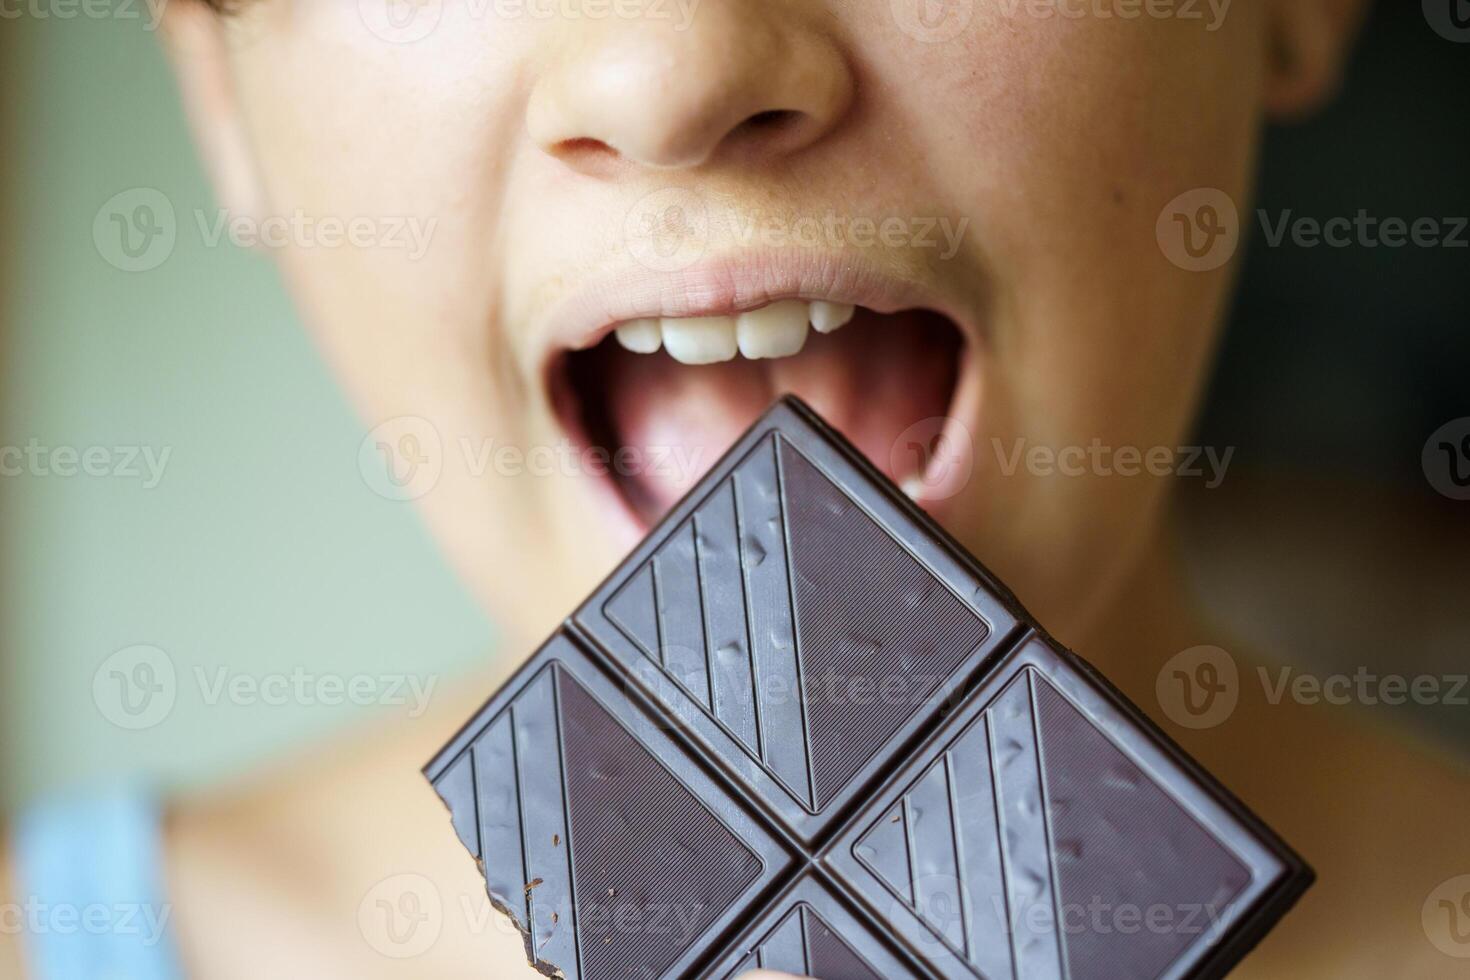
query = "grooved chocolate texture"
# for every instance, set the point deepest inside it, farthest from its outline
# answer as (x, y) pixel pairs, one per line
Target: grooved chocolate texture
(1034, 847)
(796, 621)
(802, 944)
(877, 633)
(1119, 844)
(799, 728)
(829, 957)
(595, 847)
(653, 866)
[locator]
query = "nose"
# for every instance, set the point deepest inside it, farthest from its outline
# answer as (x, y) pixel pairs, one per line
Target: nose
(735, 76)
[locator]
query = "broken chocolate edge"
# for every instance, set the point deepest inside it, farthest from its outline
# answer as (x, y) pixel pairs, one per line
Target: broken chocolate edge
(1275, 899)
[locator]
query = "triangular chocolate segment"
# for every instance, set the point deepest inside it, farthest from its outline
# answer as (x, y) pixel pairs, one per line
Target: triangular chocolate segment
(885, 851)
(877, 634)
(652, 867)
(1123, 851)
(803, 944)
(634, 609)
(828, 954)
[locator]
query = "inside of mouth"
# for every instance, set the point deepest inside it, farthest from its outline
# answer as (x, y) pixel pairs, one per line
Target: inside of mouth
(663, 423)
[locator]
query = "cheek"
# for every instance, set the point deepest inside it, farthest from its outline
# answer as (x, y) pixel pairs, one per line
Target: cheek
(348, 126)
(1066, 140)
(1063, 140)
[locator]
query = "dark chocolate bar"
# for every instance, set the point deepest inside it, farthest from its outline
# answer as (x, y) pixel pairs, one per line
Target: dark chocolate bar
(800, 728)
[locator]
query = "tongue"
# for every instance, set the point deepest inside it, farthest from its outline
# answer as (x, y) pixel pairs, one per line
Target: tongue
(871, 380)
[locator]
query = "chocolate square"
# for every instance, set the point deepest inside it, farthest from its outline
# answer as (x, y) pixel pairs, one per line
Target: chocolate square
(799, 727)
(597, 832)
(797, 620)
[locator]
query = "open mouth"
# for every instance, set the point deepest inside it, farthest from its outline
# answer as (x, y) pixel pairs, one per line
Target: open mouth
(662, 398)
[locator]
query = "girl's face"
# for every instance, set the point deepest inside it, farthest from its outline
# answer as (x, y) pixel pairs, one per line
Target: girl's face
(987, 181)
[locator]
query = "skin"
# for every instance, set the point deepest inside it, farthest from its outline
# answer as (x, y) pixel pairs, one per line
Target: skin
(528, 141)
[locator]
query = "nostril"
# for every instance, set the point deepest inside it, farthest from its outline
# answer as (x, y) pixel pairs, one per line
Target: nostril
(769, 122)
(582, 147)
(769, 131)
(587, 155)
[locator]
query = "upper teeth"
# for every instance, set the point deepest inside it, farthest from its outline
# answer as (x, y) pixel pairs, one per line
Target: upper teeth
(776, 330)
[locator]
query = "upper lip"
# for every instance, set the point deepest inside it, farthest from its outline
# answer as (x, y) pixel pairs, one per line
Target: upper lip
(732, 283)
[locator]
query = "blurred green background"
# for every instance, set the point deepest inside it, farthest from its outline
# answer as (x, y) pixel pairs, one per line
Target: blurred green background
(263, 549)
